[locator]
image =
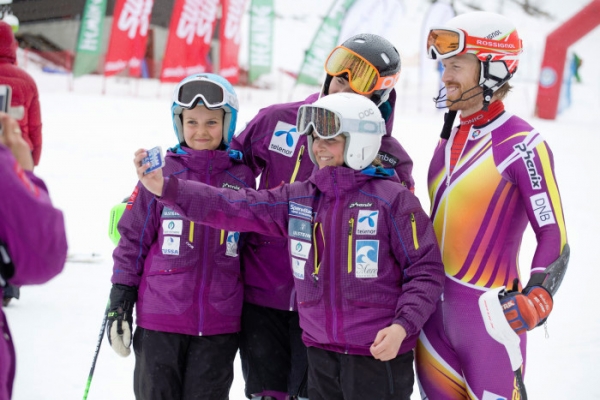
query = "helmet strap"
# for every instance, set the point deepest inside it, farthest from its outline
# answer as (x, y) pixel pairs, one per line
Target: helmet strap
(448, 121)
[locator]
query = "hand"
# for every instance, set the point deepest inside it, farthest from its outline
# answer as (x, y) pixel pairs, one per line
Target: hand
(120, 319)
(153, 181)
(387, 342)
(524, 311)
(12, 138)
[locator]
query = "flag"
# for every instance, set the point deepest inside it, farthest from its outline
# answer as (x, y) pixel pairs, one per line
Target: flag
(325, 40)
(89, 44)
(190, 34)
(230, 35)
(262, 21)
(129, 33)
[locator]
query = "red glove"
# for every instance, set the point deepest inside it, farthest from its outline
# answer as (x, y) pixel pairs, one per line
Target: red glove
(524, 311)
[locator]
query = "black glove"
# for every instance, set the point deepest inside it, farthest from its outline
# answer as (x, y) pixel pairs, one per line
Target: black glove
(120, 318)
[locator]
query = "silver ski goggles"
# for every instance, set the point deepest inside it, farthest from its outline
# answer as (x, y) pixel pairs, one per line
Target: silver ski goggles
(187, 94)
(328, 124)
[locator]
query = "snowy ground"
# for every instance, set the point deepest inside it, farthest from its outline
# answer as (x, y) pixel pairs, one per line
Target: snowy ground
(89, 140)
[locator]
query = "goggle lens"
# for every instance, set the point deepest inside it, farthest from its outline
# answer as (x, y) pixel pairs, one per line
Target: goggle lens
(444, 41)
(188, 93)
(326, 123)
(362, 75)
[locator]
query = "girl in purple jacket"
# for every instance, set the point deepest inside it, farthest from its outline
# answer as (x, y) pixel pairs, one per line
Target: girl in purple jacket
(366, 263)
(183, 278)
(28, 221)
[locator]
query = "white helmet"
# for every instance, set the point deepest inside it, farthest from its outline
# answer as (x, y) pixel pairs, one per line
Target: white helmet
(349, 114)
(491, 37)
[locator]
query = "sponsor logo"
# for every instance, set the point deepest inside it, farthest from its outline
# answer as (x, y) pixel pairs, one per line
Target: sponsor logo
(498, 45)
(233, 238)
(367, 258)
(366, 113)
(527, 157)
(547, 77)
(299, 228)
(493, 34)
(508, 304)
(172, 227)
(230, 186)
(299, 210)
(492, 396)
(357, 204)
(298, 268)
(284, 139)
(471, 121)
(299, 249)
(170, 246)
(135, 17)
(167, 212)
(387, 158)
(196, 19)
(367, 222)
(476, 133)
(542, 209)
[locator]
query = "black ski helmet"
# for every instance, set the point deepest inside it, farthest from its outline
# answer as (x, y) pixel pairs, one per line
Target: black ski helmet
(379, 52)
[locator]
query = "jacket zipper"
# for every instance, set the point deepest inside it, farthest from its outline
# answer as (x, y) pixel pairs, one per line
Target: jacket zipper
(413, 223)
(350, 230)
(297, 167)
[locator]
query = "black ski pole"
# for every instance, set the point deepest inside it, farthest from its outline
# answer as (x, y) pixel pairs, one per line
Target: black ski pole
(89, 380)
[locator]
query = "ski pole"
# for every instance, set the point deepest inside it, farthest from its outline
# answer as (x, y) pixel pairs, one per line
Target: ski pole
(100, 336)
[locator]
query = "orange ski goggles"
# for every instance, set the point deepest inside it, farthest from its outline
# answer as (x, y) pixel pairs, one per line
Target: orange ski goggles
(363, 77)
(448, 42)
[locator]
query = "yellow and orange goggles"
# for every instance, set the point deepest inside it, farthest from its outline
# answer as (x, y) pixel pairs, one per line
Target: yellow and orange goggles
(363, 77)
(449, 42)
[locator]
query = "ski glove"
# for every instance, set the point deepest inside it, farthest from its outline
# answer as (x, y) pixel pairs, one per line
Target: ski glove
(120, 318)
(527, 309)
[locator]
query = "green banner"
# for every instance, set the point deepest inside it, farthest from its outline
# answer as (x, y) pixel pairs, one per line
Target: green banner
(262, 20)
(326, 39)
(89, 44)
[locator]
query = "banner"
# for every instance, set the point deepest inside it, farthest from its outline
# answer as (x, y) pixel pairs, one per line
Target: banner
(190, 34)
(325, 40)
(262, 22)
(129, 33)
(89, 44)
(230, 35)
(380, 17)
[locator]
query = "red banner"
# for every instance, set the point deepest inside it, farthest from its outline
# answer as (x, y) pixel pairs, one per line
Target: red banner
(190, 34)
(230, 34)
(129, 33)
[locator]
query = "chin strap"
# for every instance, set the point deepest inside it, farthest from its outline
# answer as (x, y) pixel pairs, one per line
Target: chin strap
(448, 121)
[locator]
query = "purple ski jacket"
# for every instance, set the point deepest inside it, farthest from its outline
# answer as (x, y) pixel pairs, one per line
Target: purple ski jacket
(274, 150)
(34, 234)
(188, 276)
(362, 250)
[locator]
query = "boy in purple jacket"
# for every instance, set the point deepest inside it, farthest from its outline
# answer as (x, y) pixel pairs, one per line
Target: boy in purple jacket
(363, 254)
(28, 220)
(184, 278)
(273, 356)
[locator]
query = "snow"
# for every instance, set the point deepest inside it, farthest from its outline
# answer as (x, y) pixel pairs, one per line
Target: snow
(90, 137)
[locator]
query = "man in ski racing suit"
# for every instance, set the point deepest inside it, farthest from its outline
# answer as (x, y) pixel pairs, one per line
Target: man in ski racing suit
(365, 261)
(271, 350)
(489, 178)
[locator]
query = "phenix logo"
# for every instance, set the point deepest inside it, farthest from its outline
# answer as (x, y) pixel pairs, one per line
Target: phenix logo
(528, 158)
(230, 186)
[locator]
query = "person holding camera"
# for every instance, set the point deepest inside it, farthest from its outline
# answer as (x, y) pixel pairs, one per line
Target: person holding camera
(29, 222)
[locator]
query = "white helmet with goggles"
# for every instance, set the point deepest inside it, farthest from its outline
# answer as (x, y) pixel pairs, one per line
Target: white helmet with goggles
(211, 91)
(491, 37)
(349, 114)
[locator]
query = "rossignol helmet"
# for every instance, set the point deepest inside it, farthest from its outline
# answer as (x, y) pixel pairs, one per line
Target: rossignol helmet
(349, 114)
(491, 37)
(210, 90)
(371, 62)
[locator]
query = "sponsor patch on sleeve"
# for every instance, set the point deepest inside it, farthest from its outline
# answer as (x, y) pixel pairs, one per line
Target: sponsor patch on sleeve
(232, 241)
(132, 198)
(300, 229)
(298, 268)
(299, 249)
(170, 245)
(172, 226)
(542, 209)
(299, 210)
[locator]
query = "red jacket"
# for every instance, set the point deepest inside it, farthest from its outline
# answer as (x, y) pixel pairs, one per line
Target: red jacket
(24, 91)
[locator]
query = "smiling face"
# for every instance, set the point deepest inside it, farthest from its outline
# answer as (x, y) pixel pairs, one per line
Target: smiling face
(461, 78)
(203, 128)
(329, 152)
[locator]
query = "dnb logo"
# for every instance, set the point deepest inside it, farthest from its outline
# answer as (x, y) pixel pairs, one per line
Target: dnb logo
(232, 241)
(367, 258)
(284, 139)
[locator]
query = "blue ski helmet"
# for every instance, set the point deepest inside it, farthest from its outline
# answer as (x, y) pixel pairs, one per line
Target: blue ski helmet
(210, 90)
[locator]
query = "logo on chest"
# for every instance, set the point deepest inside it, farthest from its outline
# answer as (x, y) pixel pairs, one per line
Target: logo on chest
(284, 139)
(367, 258)
(367, 222)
